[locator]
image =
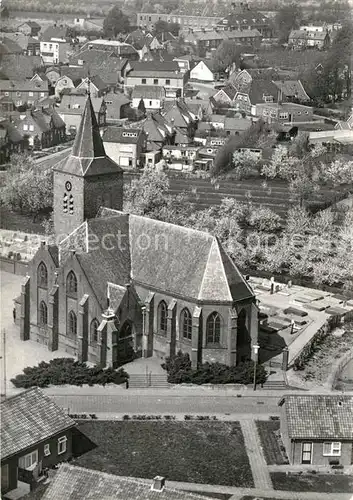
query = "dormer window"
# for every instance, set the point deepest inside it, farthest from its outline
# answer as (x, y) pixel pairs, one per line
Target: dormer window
(268, 98)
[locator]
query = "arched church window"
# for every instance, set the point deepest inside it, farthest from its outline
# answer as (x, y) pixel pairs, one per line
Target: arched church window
(72, 323)
(71, 283)
(94, 330)
(162, 317)
(43, 313)
(186, 324)
(42, 275)
(213, 328)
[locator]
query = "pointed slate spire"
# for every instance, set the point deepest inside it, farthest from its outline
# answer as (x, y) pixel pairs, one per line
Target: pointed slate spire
(88, 142)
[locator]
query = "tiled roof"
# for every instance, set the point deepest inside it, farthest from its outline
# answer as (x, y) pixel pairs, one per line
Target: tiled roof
(75, 103)
(76, 483)
(23, 86)
(148, 92)
(88, 156)
(29, 418)
(9, 46)
(54, 32)
(75, 73)
(306, 35)
(291, 88)
(239, 124)
(93, 57)
(151, 66)
(21, 39)
(319, 417)
(19, 67)
(259, 88)
(122, 135)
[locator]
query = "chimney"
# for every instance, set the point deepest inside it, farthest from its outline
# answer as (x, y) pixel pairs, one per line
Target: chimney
(158, 483)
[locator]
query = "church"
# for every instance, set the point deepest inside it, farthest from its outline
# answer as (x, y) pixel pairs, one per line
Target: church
(116, 286)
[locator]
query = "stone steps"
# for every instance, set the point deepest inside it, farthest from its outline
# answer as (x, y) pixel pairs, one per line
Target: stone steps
(150, 380)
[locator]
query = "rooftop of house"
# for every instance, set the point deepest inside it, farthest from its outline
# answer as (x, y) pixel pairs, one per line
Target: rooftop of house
(292, 88)
(75, 103)
(148, 92)
(10, 46)
(115, 99)
(238, 124)
(122, 135)
(319, 416)
(77, 483)
(23, 86)
(307, 35)
(31, 24)
(96, 81)
(19, 66)
(150, 66)
(54, 32)
(245, 17)
(75, 73)
(28, 418)
(22, 40)
(261, 88)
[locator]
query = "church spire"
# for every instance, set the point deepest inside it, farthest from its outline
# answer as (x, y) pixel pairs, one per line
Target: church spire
(88, 142)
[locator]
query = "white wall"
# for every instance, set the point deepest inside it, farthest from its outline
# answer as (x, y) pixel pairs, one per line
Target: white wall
(149, 103)
(201, 72)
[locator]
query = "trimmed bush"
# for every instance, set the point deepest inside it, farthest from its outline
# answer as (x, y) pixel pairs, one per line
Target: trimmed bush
(61, 371)
(180, 372)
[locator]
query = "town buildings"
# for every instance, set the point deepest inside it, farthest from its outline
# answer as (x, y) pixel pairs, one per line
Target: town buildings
(54, 45)
(125, 146)
(35, 434)
(191, 296)
(161, 74)
(148, 20)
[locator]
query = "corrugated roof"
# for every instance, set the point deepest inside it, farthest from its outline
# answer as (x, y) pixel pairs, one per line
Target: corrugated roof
(319, 416)
(29, 418)
(76, 483)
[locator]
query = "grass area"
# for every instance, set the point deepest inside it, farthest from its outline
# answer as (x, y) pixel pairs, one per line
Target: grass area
(200, 452)
(271, 442)
(20, 222)
(321, 483)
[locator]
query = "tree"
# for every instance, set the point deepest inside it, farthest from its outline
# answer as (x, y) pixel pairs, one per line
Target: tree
(29, 187)
(226, 54)
(245, 164)
(164, 27)
(288, 18)
(116, 22)
(141, 107)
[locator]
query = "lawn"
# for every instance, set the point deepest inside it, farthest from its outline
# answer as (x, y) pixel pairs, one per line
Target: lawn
(199, 452)
(271, 442)
(325, 483)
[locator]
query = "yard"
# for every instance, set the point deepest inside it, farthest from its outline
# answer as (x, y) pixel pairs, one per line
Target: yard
(271, 443)
(200, 452)
(325, 483)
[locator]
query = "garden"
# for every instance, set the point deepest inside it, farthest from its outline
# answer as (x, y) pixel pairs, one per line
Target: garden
(323, 483)
(61, 371)
(206, 452)
(272, 446)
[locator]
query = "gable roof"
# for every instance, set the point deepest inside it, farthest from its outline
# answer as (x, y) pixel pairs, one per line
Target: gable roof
(74, 103)
(319, 416)
(292, 88)
(51, 32)
(148, 92)
(122, 135)
(19, 66)
(260, 88)
(77, 483)
(155, 66)
(88, 156)
(29, 418)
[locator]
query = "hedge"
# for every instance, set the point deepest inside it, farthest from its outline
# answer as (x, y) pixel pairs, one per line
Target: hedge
(61, 371)
(180, 372)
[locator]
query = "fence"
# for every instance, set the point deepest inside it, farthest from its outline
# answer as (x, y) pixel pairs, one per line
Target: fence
(13, 266)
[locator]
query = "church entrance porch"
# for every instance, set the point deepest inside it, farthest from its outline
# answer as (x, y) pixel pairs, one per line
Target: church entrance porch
(243, 338)
(123, 345)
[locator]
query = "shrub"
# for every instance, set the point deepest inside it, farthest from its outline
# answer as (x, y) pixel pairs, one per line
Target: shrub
(62, 371)
(180, 372)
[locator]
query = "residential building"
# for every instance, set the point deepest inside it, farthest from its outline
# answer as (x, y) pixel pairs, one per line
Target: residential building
(162, 74)
(55, 45)
(180, 115)
(148, 20)
(72, 107)
(29, 28)
(191, 297)
(180, 158)
(187, 62)
(70, 78)
(20, 67)
(292, 90)
(211, 40)
(35, 434)
(42, 128)
(117, 106)
(159, 131)
(318, 429)
(24, 91)
(30, 46)
(202, 71)
(109, 66)
(76, 483)
(302, 39)
(11, 141)
(236, 126)
(125, 146)
(97, 87)
(153, 97)
(285, 112)
(243, 17)
(89, 24)
(121, 49)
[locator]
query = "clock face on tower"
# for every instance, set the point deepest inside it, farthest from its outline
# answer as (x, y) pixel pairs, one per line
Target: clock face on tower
(68, 186)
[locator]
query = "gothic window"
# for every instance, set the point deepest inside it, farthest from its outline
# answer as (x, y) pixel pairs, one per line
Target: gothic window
(162, 318)
(72, 323)
(42, 275)
(94, 330)
(213, 328)
(186, 324)
(43, 313)
(71, 283)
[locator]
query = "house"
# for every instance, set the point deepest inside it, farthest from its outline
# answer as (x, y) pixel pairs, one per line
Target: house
(125, 146)
(29, 28)
(202, 71)
(55, 45)
(162, 74)
(89, 24)
(20, 66)
(244, 17)
(292, 90)
(180, 157)
(317, 429)
(109, 66)
(345, 125)
(302, 39)
(42, 128)
(77, 483)
(285, 112)
(117, 105)
(97, 87)
(139, 39)
(153, 97)
(159, 131)
(11, 140)
(70, 78)
(125, 50)
(236, 126)
(72, 107)
(24, 91)
(35, 434)
(30, 46)
(211, 308)
(148, 20)
(180, 115)
(187, 62)
(224, 96)
(336, 140)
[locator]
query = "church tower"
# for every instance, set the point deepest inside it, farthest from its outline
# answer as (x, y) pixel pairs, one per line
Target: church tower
(87, 179)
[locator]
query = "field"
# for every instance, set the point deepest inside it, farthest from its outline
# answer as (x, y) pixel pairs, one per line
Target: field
(200, 452)
(325, 483)
(268, 432)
